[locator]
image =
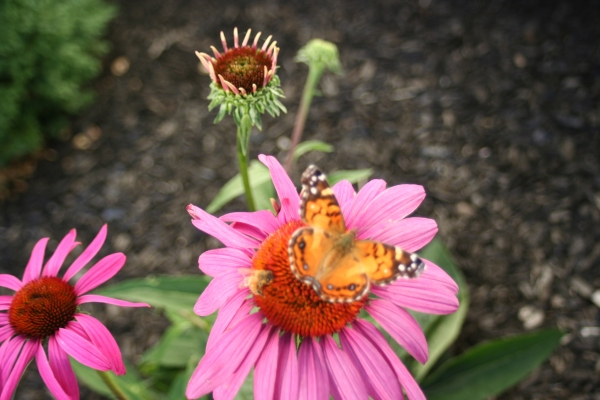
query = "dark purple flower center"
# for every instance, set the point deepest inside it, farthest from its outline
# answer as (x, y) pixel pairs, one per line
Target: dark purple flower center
(243, 67)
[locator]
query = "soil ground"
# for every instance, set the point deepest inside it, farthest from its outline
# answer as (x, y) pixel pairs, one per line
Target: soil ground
(492, 106)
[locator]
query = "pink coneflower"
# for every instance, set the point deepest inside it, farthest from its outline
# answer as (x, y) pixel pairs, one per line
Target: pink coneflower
(302, 347)
(244, 68)
(44, 309)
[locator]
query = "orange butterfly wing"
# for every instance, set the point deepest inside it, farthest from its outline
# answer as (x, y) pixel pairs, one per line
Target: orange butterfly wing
(306, 250)
(384, 264)
(319, 207)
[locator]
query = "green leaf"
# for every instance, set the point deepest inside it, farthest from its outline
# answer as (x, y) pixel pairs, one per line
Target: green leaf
(179, 384)
(441, 330)
(259, 175)
(130, 383)
(311, 145)
(354, 176)
(175, 293)
(179, 343)
(491, 367)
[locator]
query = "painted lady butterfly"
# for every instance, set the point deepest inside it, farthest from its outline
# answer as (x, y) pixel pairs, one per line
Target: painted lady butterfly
(324, 255)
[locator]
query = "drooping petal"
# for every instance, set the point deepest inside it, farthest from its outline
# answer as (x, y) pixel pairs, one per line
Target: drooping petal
(220, 362)
(410, 234)
(87, 254)
(60, 364)
(217, 261)
(418, 298)
(26, 355)
(378, 373)
(286, 386)
(221, 288)
(402, 326)
(283, 186)
(5, 332)
(219, 229)
(102, 271)
(81, 349)
(50, 379)
(5, 300)
(229, 389)
(369, 331)
(263, 220)
(36, 260)
(233, 311)
(96, 298)
(436, 275)
(3, 319)
(312, 369)
(11, 350)
(362, 199)
(344, 194)
(10, 282)
(265, 371)
(62, 250)
(346, 381)
(103, 340)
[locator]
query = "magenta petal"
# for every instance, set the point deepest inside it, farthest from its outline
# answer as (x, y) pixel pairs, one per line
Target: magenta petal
(87, 254)
(221, 288)
(102, 271)
(346, 381)
(36, 260)
(6, 300)
(48, 376)
(436, 276)
(217, 261)
(362, 199)
(104, 341)
(80, 349)
(10, 282)
(283, 186)
(29, 350)
(411, 387)
(402, 326)
(263, 220)
(64, 248)
(313, 372)
(233, 311)
(11, 350)
(61, 366)
(3, 319)
(221, 361)
(5, 332)
(265, 372)
(422, 299)
(215, 227)
(344, 194)
(286, 386)
(249, 230)
(96, 298)
(229, 389)
(410, 234)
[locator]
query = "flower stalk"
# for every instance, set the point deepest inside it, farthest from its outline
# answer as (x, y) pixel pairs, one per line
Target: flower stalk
(111, 385)
(243, 142)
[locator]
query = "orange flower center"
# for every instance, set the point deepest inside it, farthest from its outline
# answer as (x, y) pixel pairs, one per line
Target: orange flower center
(42, 306)
(290, 304)
(243, 66)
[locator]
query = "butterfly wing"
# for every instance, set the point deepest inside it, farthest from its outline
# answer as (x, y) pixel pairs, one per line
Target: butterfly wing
(319, 207)
(345, 283)
(306, 249)
(383, 263)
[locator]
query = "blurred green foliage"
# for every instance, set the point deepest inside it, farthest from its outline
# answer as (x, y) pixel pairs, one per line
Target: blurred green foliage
(49, 49)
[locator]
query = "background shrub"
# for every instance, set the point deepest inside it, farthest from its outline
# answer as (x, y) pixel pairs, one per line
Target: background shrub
(48, 50)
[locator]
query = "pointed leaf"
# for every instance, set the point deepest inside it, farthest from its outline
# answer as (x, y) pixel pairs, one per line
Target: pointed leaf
(354, 176)
(312, 145)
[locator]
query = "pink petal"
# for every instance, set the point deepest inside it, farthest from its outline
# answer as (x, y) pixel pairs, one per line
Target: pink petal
(96, 298)
(366, 357)
(313, 372)
(391, 205)
(232, 312)
(64, 248)
(34, 266)
(346, 381)
(437, 275)
(362, 199)
(286, 213)
(87, 254)
(5, 332)
(81, 349)
(10, 282)
(217, 261)
(410, 234)
(265, 372)
(229, 389)
(51, 380)
(103, 340)
(25, 357)
(6, 300)
(263, 220)
(420, 299)
(344, 194)
(249, 230)
(3, 319)
(60, 364)
(286, 386)
(221, 361)
(217, 292)
(411, 387)
(213, 226)
(102, 271)
(402, 326)
(283, 186)
(11, 350)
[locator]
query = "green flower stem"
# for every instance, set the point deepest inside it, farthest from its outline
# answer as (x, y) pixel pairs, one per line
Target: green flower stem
(315, 70)
(243, 141)
(112, 386)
